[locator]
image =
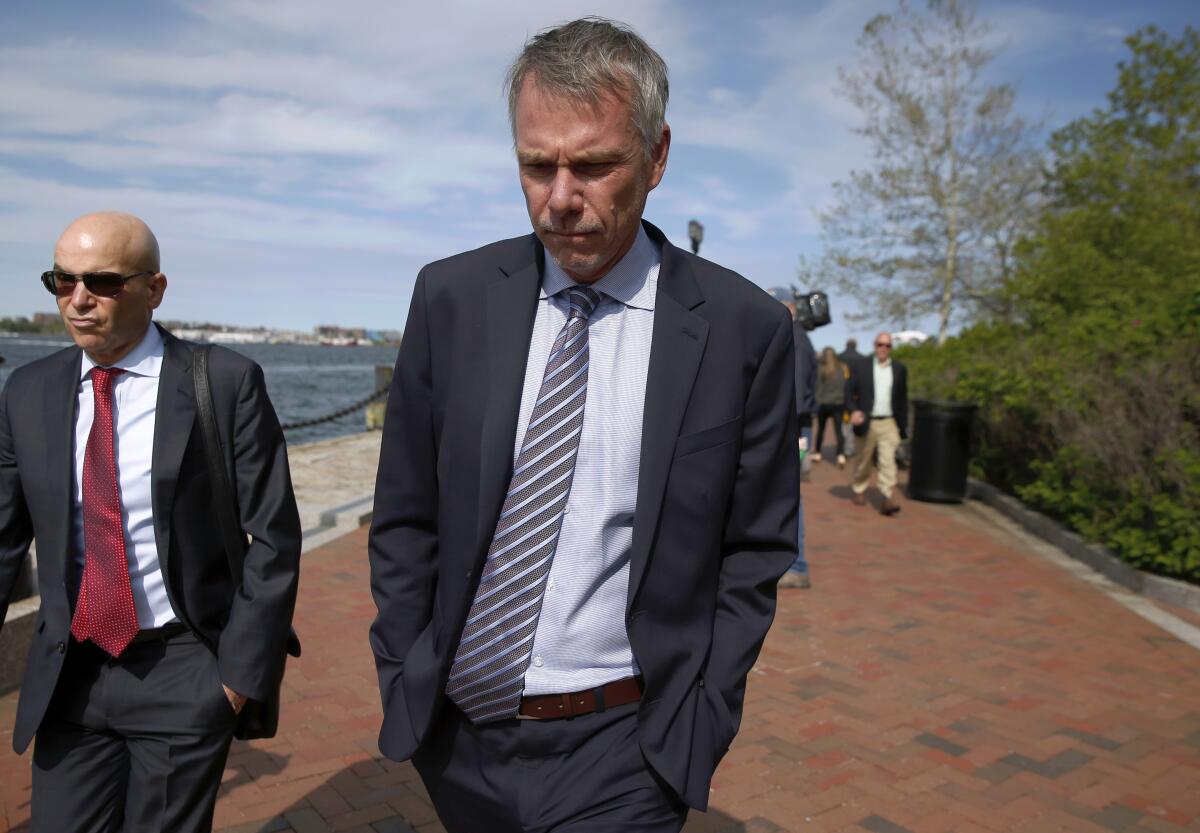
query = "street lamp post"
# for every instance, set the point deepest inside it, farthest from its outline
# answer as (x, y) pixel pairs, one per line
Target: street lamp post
(696, 233)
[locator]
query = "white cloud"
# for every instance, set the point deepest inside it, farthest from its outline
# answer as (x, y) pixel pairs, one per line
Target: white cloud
(298, 136)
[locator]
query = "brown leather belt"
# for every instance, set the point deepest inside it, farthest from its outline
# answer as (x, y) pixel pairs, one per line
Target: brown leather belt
(610, 695)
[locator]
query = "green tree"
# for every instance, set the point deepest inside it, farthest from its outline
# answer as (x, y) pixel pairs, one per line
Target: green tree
(1092, 398)
(930, 227)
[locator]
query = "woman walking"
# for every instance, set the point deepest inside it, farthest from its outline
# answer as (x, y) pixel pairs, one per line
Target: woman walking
(831, 397)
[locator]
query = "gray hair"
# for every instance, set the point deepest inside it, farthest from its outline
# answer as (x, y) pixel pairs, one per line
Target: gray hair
(589, 58)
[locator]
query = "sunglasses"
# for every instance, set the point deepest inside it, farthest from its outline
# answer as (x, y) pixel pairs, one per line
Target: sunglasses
(100, 284)
(887, 344)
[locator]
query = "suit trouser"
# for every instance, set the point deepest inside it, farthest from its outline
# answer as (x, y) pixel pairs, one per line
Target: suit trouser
(882, 440)
(135, 744)
(568, 775)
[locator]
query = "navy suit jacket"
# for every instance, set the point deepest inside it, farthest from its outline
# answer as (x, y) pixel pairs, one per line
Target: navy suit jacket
(716, 508)
(247, 630)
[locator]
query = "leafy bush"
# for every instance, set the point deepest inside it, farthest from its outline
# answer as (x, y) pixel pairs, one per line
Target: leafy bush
(1090, 403)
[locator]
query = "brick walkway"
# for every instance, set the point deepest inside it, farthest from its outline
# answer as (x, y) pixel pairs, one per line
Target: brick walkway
(941, 676)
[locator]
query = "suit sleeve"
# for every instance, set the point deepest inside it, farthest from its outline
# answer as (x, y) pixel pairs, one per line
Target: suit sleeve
(806, 371)
(403, 540)
(16, 529)
(251, 651)
(760, 540)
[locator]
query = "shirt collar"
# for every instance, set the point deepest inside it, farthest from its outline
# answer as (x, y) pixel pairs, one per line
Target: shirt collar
(632, 281)
(881, 365)
(144, 360)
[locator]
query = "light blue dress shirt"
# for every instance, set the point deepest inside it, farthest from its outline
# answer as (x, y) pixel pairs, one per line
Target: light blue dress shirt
(581, 641)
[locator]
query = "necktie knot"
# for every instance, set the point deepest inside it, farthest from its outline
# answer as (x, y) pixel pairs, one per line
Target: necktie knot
(102, 378)
(583, 301)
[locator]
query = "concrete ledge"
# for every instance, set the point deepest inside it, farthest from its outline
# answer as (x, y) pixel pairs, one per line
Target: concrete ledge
(356, 512)
(1099, 558)
(338, 521)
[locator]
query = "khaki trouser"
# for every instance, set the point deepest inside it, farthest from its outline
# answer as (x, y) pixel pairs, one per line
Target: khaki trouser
(883, 437)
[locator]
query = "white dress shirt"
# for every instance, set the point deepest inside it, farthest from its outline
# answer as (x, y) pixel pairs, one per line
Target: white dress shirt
(581, 641)
(882, 407)
(135, 396)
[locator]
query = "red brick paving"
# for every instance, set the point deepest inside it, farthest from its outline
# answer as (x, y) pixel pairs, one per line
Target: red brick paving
(937, 678)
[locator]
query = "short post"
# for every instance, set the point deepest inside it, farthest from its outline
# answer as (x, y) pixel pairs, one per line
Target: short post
(377, 409)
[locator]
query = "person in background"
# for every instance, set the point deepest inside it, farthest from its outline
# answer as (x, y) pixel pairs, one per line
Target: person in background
(877, 399)
(806, 405)
(147, 647)
(849, 358)
(831, 402)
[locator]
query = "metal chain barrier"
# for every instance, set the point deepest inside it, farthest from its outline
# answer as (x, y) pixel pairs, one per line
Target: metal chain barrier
(338, 414)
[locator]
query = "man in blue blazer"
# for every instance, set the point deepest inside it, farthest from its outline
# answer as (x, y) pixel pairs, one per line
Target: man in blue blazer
(587, 484)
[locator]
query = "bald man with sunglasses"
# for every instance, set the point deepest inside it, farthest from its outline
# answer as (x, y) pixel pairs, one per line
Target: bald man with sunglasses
(147, 646)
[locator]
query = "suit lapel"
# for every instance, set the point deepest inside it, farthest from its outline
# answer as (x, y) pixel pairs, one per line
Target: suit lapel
(511, 308)
(675, 353)
(867, 386)
(60, 400)
(174, 415)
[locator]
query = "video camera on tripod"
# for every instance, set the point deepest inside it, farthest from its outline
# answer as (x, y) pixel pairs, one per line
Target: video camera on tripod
(812, 308)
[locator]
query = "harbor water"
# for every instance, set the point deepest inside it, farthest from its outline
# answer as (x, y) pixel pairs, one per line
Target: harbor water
(304, 381)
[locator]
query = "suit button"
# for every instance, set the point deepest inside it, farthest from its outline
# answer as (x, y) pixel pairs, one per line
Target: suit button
(702, 683)
(469, 574)
(61, 647)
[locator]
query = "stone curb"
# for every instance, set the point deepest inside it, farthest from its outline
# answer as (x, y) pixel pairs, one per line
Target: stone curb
(339, 520)
(1099, 558)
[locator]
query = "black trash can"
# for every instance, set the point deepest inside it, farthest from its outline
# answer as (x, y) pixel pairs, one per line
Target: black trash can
(941, 446)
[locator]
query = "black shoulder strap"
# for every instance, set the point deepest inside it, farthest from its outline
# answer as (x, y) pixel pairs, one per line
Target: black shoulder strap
(231, 535)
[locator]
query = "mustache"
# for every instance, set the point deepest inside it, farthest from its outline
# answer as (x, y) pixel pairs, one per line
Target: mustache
(582, 227)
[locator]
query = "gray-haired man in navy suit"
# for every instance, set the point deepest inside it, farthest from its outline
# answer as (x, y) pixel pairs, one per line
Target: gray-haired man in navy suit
(587, 485)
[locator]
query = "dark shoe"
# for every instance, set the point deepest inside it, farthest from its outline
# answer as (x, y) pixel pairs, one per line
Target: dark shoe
(860, 499)
(888, 507)
(792, 578)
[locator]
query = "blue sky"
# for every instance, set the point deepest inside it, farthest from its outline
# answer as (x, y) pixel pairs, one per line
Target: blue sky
(301, 159)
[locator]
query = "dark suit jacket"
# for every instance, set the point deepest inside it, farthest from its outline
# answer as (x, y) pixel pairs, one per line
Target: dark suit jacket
(860, 393)
(37, 430)
(806, 372)
(716, 507)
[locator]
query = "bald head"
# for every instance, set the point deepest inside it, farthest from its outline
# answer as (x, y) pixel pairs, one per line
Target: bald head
(883, 347)
(104, 325)
(120, 239)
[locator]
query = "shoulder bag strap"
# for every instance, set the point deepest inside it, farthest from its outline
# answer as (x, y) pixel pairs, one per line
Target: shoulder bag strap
(233, 539)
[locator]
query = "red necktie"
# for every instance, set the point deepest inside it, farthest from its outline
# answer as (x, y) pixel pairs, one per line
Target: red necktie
(104, 612)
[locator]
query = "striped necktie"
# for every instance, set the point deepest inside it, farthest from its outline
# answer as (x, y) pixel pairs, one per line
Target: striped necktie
(488, 674)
